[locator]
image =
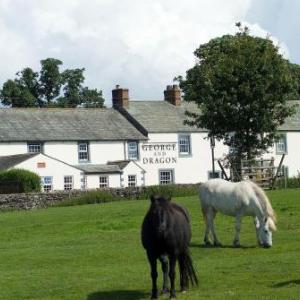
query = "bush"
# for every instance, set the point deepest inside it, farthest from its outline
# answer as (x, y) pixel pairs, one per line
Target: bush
(91, 197)
(170, 190)
(292, 182)
(118, 194)
(23, 180)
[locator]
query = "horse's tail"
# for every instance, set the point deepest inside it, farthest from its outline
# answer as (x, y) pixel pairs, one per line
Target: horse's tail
(265, 203)
(187, 271)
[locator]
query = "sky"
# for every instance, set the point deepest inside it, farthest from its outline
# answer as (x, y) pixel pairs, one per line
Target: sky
(138, 44)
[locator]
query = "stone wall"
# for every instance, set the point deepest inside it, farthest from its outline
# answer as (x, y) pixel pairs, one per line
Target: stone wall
(43, 200)
(34, 200)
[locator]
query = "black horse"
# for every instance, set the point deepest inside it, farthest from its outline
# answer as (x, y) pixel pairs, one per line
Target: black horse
(166, 235)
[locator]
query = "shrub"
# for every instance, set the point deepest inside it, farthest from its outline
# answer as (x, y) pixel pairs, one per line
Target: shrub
(25, 181)
(171, 190)
(118, 194)
(91, 197)
(292, 182)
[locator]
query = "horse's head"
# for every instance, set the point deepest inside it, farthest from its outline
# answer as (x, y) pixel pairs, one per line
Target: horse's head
(160, 200)
(264, 231)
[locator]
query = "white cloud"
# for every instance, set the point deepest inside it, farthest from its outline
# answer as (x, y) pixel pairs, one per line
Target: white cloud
(138, 44)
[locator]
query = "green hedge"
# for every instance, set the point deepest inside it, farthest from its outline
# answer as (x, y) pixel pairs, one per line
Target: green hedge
(110, 195)
(25, 181)
(91, 197)
(293, 182)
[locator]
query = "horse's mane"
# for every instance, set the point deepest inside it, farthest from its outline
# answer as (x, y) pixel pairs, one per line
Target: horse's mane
(265, 204)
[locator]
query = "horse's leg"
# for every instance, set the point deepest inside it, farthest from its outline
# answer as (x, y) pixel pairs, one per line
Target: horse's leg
(153, 264)
(172, 260)
(210, 218)
(165, 269)
(207, 228)
(238, 222)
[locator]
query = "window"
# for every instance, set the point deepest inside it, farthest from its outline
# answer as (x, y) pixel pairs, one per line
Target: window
(184, 144)
(166, 177)
(68, 183)
(216, 174)
(103, 182)
(35, 147)
(281, 145)
(83, 152)
(133, 150)
(132, 180)
(47, 184)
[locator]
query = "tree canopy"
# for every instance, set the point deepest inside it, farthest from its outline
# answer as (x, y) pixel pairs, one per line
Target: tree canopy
(49, 88)
(241, 84)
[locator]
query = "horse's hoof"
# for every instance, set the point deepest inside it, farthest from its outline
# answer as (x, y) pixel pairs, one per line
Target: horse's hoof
(236, 244)
(165, 291)
(217, 244)
(207, 244)
(183, 291)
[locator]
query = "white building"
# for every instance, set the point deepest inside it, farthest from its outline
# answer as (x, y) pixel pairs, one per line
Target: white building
(134, 143)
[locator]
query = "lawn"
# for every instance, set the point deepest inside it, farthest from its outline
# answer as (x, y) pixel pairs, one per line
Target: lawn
(94, 252)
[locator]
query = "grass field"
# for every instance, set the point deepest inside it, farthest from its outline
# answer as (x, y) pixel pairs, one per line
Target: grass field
(94, 252)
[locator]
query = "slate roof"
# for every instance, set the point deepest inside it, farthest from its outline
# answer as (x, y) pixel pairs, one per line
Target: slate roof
(7, 162)
(161, 116)
(95, 169)
(55, 124)
(111, 167)
(292, 123)
(120, 163)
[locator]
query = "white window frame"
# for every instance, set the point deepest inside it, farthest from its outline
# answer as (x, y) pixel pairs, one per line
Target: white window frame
(281, 144)
(184, 144)
(84, 152)
(164, 178)
(132, 182)
(103, 181)
(34, 147)
(47, 187)
(68, 186)
(133, 150)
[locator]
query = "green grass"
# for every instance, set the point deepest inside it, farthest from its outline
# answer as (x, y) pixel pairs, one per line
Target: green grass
(94, 252)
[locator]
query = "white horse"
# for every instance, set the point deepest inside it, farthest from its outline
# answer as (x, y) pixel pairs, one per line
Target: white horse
(237, 199)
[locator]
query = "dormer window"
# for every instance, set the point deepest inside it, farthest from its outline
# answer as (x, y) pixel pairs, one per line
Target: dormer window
(34, 147)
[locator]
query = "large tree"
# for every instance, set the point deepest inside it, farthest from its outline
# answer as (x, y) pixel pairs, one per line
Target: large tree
(49, 88)
(241, 84)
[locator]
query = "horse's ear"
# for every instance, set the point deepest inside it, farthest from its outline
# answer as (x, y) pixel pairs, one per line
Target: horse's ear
(168, 198)
(152, 198)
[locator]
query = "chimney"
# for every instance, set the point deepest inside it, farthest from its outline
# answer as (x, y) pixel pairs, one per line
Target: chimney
(173, 94)
(120, 97)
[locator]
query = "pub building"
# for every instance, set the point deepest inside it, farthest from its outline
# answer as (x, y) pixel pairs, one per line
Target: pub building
(133, 143)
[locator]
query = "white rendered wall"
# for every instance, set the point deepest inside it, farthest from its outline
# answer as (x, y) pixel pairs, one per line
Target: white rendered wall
(12, 148)
(292, 157)
(57, 170)
(187, 169)
(92, 180)
(99, 152)
(132, 169)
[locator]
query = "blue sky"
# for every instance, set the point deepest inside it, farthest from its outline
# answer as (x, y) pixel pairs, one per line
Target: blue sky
(138, 44)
